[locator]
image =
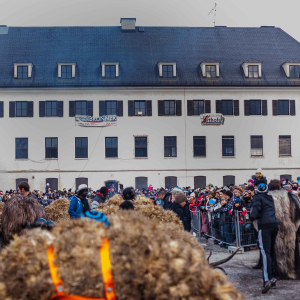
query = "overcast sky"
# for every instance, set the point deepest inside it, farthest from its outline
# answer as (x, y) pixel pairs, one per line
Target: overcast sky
(231, 13)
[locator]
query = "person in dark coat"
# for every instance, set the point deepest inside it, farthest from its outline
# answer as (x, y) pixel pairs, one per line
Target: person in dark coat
(259, 178)
(100, 197)
(165, 197)
(180, 207)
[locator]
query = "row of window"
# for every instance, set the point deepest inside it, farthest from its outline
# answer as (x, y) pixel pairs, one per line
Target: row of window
(141, 146)
(144, 108)
(165, 70)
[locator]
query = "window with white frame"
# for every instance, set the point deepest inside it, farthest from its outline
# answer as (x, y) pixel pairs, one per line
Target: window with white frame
(167, 69)
(252, 70)
(66, 70)
(110, 69)
(22, 70)
(292, 69)
(210, 69)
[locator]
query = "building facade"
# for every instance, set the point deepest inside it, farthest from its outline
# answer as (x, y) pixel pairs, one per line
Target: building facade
(162, 83)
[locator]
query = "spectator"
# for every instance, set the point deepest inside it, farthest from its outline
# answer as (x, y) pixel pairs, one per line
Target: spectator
(79, 203)
(100, 197)
(181, 208)
(259, 178)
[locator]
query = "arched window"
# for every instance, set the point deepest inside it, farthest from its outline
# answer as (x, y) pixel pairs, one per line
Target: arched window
(81, 180)
(141, 183)
(18, 180)
(199, 182)
(170, 181)
(109, 183)
(53, 183)
(286, 177)
(228, 179)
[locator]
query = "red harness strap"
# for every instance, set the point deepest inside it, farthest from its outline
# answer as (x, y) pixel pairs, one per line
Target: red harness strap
(106, 274)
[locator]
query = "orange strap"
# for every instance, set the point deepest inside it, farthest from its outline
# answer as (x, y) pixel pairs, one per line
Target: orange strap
(106, 274)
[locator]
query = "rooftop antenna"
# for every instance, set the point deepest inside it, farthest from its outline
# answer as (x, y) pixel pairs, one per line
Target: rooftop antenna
(215, 13)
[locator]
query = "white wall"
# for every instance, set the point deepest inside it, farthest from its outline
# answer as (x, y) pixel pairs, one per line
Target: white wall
(125, 168)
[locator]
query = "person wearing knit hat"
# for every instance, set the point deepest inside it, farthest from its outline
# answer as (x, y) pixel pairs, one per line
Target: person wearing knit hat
(251, 182)
(79, 203)
(211, 202)
(259, 178)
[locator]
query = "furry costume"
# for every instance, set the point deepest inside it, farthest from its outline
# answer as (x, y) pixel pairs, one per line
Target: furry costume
(19, 213)
(287, 208)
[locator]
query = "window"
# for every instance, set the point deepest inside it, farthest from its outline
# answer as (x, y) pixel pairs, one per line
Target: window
(286, 177)
(21, 109)
(19, 180)
(170, 181)
(51, 148)
(81, 180)
(227, 145)
(80, 107)
(22, 72)
(66, 71)
(169, 107)
(284, 107)
(199, 182)
(111, 147)
(140, 107)
(227, 107)
(111, 107)
(22, 148)
(170, 146)
(253, 71)
(81, 147)
(211, 71)
(294, 72)
(198, 107)
(1, 109)
(51, 108)
(199, 146)
(140, 146)
(285, 145)
(255, 107)
(228, 180)
(53, 183)
(256, 145)
(110, 71)
(141, 183)
(167, 71)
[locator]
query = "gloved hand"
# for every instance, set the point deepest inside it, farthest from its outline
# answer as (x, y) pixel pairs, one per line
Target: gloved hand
(248, 227)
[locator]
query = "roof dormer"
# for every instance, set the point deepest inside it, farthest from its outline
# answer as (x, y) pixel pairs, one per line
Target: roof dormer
(291, 69)
(167, 69)
(252, 69)
(22, 70)
(66, 70)
(210, 68)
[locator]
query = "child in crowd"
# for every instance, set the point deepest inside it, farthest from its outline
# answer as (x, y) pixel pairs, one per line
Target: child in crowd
(210, 204)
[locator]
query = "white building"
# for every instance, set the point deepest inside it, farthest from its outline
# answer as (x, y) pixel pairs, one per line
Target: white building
(169, 75)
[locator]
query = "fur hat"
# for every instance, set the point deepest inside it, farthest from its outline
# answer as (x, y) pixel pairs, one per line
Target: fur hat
(262, 188)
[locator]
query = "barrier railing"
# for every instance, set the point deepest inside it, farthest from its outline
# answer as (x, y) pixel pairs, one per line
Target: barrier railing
(196, 225)
(230, 231)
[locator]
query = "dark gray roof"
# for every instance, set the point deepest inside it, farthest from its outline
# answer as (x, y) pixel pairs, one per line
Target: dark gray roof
(139, 52)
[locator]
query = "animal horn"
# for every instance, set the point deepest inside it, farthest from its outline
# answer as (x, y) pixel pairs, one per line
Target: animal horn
(222, 261)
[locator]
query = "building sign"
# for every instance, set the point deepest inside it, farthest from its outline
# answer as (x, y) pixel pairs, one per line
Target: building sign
(108, 120)
(208, 119)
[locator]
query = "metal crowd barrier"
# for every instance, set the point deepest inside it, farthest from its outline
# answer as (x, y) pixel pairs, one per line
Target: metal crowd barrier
(226, 234)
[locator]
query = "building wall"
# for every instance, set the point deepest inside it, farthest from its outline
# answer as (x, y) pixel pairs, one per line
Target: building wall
(125, 168)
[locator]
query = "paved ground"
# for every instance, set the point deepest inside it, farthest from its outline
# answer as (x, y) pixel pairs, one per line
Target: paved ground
(249, 281)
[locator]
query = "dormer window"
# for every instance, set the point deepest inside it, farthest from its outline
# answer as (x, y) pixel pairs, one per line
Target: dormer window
(252, 70)
(210, 69)
(167, 69)
(110, 70)
(22, 70)
(292, 69)
(66, 70)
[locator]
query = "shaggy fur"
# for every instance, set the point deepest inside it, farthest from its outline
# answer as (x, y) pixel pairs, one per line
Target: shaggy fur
(20, 212)
(287, 252)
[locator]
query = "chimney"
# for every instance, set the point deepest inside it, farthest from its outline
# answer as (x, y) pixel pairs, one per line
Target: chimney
(128, 24)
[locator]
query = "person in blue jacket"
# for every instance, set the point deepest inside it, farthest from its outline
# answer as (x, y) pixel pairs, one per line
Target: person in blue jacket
(79, 203)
